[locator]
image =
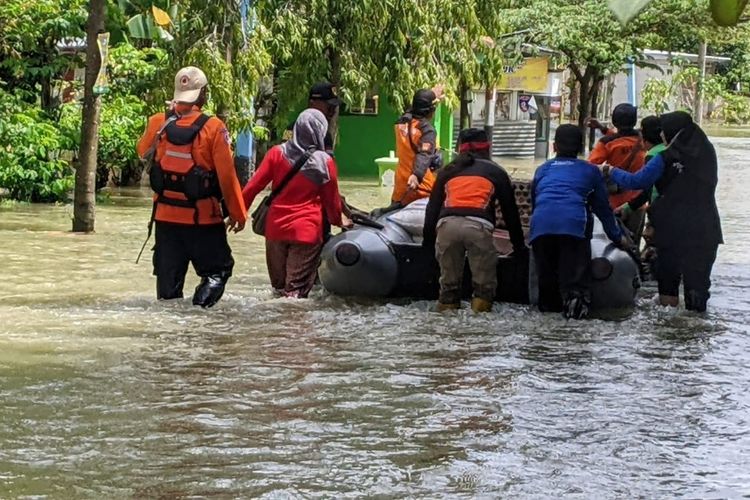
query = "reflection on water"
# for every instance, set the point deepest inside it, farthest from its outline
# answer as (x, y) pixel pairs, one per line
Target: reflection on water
(106, 393)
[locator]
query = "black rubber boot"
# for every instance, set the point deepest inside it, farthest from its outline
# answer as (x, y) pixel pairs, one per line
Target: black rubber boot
(210, 290)
(696, 301)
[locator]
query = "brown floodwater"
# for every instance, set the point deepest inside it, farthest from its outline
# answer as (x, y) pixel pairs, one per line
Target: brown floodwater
(106, 393)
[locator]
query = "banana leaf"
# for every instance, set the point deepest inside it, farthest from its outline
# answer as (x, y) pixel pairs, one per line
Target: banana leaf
(140, 26)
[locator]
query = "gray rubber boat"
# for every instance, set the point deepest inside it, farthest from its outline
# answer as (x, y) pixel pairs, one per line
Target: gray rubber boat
(385, 258)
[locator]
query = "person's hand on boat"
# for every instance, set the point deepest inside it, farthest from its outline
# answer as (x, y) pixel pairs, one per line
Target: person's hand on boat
(625, 243)
(412, 182)
(346, 222)
(233, 226)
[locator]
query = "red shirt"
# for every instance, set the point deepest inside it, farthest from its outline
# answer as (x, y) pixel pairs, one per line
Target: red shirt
(296, 214)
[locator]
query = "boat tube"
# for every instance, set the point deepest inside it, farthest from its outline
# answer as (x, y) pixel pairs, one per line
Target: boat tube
(384, 257)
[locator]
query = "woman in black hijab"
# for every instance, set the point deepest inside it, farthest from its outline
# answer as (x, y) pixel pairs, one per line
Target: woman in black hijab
(685, 217)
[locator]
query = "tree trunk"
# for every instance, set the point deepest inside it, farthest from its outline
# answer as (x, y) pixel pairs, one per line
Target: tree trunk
(46, 97)
(334, 59)
(698, 112)
(584, 106)
(575, 91)
(464, 120)
(84, 203)
(594, 109)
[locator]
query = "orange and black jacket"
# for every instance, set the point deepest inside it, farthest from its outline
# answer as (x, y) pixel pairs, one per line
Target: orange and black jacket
(416, 140)
(624, 150)
(212, 151)
(470, 189)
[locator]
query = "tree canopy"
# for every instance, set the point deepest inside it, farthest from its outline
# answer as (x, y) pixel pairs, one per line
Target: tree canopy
(264, 54)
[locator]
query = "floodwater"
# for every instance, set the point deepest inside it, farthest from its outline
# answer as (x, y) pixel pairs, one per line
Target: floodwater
(105, 393)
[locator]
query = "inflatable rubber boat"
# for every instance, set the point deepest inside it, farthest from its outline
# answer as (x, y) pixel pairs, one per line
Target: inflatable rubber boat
(384, 257)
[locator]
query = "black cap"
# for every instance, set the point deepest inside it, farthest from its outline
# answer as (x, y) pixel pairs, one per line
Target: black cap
(651, 129)
(324, 91)
(568, 140)
(423, 102)
(624, 116)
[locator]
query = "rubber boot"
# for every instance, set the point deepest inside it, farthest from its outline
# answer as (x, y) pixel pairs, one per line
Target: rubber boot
(696, 301)
(480, 305)
(210, 290)
(447, 307)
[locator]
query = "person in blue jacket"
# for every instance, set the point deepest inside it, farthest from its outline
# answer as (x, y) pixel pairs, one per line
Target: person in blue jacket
(684, 215)
(564, 192)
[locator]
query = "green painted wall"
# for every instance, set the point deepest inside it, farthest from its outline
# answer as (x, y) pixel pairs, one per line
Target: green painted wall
(444, 127)
(363, 138)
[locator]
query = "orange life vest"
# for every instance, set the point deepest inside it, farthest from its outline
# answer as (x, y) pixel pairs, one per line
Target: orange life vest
(176, 177)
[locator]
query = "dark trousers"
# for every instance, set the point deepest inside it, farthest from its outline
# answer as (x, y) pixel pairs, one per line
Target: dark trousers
(691, 265)
(178, 245)
(292, 267)
(562, 265)
(635, 222)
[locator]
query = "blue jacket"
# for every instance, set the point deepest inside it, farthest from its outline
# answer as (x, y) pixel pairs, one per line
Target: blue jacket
(563, 194)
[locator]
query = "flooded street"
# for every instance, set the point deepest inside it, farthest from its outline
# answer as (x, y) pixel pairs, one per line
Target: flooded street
(106, 393)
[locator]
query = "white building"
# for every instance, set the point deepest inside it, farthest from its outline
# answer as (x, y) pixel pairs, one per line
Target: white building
(628, 85)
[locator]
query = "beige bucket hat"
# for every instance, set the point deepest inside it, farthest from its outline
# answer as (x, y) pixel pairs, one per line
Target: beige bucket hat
(188, 84)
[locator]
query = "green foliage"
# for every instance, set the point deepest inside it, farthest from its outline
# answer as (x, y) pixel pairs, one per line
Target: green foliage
(390, 47)
(735, 109)
(209, 35)
(136, 72)
(30, 166)
(658, 93)
(28, 38)
(123, 119)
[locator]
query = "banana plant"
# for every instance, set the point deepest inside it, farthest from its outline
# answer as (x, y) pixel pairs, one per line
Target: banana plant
(150, 21)
(724, 12)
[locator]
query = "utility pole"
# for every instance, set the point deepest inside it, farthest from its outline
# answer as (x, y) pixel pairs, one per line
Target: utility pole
(699, 91)
(84, 200)
(490, 98)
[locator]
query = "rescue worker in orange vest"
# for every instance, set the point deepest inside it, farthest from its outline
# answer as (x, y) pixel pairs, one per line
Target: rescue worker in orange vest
(623, 148)
(192, 172)
(460, 221)
(416, 149)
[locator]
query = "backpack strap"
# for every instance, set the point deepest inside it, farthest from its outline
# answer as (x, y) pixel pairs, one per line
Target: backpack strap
(182, 136)
(150, 153)
(633, 153)
(288, 177)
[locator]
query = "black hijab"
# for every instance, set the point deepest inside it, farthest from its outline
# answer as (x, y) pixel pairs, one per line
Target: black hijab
(689, 147)
(686, 213)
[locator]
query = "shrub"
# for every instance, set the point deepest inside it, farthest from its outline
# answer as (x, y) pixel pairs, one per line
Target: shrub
(123, 119)
(30, 166)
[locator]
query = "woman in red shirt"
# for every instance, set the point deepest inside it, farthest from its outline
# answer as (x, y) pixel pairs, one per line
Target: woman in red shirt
(294, 226)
